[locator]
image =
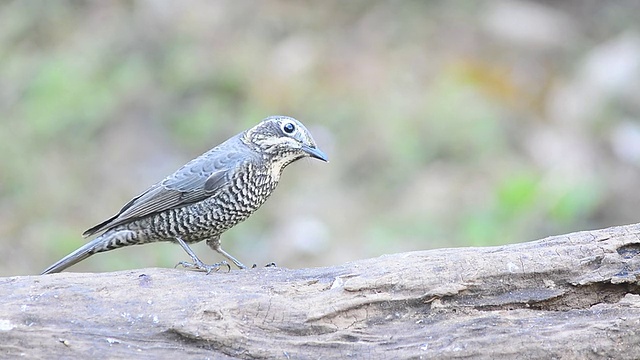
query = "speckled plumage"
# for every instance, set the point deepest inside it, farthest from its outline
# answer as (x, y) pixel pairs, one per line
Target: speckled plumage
(207, 196)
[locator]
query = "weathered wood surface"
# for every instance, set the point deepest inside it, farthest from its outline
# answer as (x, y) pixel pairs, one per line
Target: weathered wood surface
(568, 297)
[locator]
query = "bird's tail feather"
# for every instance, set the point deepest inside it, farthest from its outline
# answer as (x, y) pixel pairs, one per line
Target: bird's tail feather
(75, 257)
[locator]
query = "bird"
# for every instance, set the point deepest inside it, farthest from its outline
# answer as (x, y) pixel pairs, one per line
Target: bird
(207, 196)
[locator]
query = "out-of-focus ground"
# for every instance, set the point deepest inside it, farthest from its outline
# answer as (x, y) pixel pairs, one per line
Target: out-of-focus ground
(449, 123)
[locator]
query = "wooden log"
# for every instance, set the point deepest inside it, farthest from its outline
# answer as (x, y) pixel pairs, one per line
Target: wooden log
(573, 296)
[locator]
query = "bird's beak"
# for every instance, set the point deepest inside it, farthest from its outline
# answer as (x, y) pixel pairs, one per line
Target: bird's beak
(315, 153)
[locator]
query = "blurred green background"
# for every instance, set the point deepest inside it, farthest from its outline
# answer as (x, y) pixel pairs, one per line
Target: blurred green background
(448, 123)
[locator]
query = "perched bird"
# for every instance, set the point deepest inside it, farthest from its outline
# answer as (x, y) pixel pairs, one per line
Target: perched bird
(207, 196)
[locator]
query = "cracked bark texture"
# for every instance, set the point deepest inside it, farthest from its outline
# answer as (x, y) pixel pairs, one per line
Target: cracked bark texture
(573, 296)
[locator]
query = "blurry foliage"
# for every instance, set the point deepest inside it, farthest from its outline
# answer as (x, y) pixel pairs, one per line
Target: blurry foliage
(447, 123)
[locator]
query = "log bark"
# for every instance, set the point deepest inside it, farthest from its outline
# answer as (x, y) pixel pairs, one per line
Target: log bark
(573, 296)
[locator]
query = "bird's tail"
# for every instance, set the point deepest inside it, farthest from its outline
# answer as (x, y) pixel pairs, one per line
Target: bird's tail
(75, 257)
(107, 241)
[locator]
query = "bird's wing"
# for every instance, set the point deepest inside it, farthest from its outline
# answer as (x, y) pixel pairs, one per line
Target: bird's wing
(197, 180)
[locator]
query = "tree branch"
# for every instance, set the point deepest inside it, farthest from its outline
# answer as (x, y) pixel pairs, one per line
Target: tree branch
(570, 296)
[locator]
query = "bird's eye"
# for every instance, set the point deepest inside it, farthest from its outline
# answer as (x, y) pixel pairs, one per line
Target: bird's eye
(289, 128)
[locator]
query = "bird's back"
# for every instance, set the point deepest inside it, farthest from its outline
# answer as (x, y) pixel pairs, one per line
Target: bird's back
(222, 169)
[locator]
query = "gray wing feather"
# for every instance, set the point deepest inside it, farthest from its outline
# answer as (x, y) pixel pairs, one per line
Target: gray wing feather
(197, 180)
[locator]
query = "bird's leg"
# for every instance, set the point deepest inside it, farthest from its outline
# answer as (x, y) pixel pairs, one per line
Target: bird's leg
(197, 263)
(214, 243)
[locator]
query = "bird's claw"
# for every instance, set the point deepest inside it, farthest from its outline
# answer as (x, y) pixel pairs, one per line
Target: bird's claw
(269, 265)
(200, 266)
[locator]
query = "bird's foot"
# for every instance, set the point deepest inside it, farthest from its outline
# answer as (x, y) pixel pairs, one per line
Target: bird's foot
(200, 266)
(269, 265)
(197, 264)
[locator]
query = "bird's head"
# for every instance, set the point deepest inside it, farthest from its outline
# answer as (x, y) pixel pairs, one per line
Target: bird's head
(282, 140)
